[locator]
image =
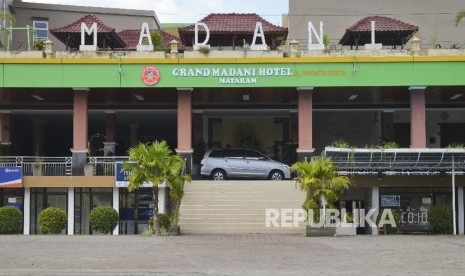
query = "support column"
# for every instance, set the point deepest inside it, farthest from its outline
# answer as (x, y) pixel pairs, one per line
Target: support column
(162, 200)
(80, 135)
(5, 128)
(375, 205)
(116, 207)
(133, 133)
(27, 211)
(70, 211)
(387, 126)
(110, 130)
(417, 117)
(305, 117)
(461, 212)
(185, 126)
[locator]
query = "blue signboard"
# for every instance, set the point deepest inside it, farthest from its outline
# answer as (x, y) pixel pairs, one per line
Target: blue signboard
(11, 177)
(122, 176)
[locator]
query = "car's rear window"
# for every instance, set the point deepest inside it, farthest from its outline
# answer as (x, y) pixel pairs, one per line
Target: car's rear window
(216, 153)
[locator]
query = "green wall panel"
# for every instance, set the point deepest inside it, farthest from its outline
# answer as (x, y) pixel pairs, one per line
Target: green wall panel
(331, 74)
(439, 73)
(242, 75)
(32, 75)
(91, 75)
(383, 74)
(2, 82)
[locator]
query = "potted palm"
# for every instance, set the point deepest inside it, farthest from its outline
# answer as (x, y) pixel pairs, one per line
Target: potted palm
(318, 179)
(154, 163)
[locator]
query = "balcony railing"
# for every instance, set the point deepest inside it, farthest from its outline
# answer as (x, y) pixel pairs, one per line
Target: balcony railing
(105, 166)
(39, 166)
(60, 166)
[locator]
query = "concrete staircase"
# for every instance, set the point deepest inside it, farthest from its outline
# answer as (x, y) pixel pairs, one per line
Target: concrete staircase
(235, 207)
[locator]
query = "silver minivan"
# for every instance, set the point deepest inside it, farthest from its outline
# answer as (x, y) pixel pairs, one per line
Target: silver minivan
(219, 164)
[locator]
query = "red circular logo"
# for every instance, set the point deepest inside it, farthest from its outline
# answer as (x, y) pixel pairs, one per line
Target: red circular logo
(150, 75)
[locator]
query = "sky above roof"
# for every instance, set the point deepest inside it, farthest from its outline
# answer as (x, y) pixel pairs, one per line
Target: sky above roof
(189, 11)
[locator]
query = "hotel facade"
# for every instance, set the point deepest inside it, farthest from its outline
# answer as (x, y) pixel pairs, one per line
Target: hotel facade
(69, 117)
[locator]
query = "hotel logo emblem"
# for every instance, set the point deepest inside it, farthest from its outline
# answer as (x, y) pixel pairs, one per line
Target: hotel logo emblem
(150, 76)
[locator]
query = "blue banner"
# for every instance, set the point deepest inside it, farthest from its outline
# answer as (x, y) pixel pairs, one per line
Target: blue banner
(122, 176)
(11, 177)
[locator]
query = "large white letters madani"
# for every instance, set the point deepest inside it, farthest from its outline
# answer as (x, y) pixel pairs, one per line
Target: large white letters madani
(258, 32)
(86, 30)
(197, 45)
(145, 33)
(319, 38)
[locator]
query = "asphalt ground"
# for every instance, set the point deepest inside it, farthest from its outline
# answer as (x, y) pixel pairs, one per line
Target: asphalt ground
(232, 255)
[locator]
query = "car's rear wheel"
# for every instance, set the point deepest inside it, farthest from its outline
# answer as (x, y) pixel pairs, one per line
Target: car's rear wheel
(218, 175)
(276, 175)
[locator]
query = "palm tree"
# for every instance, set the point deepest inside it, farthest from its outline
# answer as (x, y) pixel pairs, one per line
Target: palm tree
(460, 15)
(319, 180)
(154, 163)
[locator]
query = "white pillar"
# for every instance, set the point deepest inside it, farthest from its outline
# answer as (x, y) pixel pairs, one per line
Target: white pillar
(27, 211)
(375, 205)
(70, 211)
(116, 207)
(161, 200)
(461, 211)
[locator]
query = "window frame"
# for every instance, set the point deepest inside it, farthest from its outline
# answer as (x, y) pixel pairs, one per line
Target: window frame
(42, 29)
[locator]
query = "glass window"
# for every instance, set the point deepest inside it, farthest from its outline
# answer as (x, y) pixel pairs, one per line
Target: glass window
(41, 28)
(86, 199)
(234, 153)
(216, 153)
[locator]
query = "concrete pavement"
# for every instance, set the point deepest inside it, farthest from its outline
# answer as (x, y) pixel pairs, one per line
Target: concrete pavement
(259, 254)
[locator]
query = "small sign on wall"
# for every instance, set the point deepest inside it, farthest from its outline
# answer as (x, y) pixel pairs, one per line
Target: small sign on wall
(390, 200)
(11, 177)
(426, 200)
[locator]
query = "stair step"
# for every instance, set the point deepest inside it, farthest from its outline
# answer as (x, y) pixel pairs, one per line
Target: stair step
(236, 207)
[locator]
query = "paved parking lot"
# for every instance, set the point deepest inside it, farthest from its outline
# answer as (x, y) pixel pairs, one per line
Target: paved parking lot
(232, 255)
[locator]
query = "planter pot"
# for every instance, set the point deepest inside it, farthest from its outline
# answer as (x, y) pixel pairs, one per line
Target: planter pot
(88, 170)
(320, 231)
(36, 169)
(174, 231)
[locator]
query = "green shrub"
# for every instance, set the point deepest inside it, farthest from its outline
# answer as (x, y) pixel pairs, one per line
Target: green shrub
(164, 222)
(10, 220)
(440, 219)
(52, 220)
(104, 219)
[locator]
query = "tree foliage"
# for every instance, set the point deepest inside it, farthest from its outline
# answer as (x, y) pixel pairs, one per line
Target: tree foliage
(157, 41)
(319, 180)
(458, 18)
(155, 163)
(52, 220)
(441, 219)
(104, 219)
(10, 220)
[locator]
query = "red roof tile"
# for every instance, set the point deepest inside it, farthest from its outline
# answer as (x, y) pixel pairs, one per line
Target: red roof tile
(234, 23)
(70, 34)
(388, 31)
(89, 19)
(382, 24)
(131, 39)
